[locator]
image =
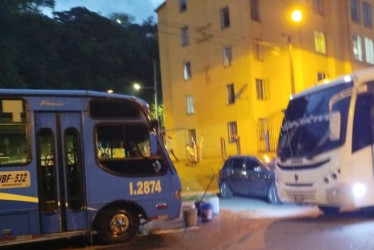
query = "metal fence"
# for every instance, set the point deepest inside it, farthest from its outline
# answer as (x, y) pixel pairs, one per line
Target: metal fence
(268, 132)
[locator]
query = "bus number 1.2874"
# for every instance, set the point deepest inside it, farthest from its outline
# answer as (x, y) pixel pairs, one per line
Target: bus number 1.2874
(145, 187)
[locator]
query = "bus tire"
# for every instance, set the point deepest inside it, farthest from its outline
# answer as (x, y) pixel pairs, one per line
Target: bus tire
(115, 224)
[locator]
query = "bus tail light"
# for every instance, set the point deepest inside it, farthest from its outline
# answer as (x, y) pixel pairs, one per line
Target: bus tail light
(161, 206)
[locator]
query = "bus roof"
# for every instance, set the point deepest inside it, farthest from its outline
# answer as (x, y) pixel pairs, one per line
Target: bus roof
(68, 93)
(362, 75)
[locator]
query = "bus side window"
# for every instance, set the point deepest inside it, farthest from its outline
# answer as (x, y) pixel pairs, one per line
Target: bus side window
(47, 171)
(14, 139)
(362, 124)
(127, 149)
(73, 163)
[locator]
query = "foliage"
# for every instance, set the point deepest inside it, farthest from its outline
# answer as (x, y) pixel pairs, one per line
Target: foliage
(76, 49)
(160, 114)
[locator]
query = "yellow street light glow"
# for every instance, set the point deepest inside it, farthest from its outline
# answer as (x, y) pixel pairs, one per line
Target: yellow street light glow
(297, 16)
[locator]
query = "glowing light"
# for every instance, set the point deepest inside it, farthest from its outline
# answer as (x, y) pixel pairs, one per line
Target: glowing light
(359, 190)
(266, 158)
(297, 16)
(110, 91)
(137, 86)
(347, 78)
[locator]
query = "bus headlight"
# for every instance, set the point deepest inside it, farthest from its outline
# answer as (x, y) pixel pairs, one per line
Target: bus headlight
(358, 190)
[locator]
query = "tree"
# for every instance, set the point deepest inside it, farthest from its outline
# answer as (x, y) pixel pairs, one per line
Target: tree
(76, 49)
(7, 6)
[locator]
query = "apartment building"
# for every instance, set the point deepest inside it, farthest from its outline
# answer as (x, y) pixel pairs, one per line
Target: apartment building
(229, 67)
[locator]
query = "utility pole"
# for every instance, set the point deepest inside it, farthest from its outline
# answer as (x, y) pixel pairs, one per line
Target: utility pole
(155, 88)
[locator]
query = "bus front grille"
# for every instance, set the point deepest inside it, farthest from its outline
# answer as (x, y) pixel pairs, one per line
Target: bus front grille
(301, 195)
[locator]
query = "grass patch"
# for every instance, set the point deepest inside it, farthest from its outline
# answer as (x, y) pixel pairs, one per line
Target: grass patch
(198, 197)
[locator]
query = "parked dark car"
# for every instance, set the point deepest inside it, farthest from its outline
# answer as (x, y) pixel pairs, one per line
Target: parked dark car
(247, 175)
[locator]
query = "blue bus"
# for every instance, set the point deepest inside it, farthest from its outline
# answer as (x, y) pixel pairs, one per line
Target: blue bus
(76, 162)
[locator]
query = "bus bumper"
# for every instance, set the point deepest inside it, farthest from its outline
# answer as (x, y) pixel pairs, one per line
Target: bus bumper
(344, 196)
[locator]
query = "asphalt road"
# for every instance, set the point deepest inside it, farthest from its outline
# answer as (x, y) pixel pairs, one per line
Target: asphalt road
(244, 223)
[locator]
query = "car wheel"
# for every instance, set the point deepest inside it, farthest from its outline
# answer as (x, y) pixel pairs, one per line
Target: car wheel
(328, 211)
(225, 190)
(273, 197)
(116, 225)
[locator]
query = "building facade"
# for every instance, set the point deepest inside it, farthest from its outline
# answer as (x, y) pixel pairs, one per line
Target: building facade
(229, 67)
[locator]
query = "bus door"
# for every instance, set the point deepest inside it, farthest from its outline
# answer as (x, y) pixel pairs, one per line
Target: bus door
(60, 171)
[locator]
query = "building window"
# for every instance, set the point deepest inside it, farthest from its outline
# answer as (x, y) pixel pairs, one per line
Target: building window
(355, 11)
(369, 50)
(258, 50)
(357, 47)
(318, 7)
(321, 76)
(261, 89)
(184, 36)
(366, 11)
(320, 42)
(182, 5)
(232, 131)
(190, 105)
(187, 70)
(227, 56)
(230, 93)
(225, 18)
(255, 10)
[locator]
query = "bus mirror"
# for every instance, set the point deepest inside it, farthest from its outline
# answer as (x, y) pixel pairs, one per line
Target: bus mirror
(334, 129)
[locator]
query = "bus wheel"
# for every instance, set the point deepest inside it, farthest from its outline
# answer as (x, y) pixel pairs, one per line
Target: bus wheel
(117, 225)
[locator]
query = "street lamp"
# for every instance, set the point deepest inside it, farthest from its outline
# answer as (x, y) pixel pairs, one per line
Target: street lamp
(138, 87)
(296, 17)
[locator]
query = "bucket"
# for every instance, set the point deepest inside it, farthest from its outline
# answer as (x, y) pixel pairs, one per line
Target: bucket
(198, 205)
(206, 212)
(190, 216)
(215, 205)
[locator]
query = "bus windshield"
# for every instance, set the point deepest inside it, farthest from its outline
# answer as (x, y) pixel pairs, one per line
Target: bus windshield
(305, 128)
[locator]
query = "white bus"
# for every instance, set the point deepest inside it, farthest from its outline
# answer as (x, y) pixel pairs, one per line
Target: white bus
(325, 148)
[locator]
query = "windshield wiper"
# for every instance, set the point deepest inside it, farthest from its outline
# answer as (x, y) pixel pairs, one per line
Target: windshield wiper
(290, 135)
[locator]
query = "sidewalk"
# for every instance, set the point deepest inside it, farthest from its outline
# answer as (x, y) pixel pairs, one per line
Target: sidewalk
(196, 178)
(195, 181)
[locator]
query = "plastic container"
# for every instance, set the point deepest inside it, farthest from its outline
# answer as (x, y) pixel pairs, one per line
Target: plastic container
(206, 212)
(215, 205)
(198, 205)
(190, 216)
